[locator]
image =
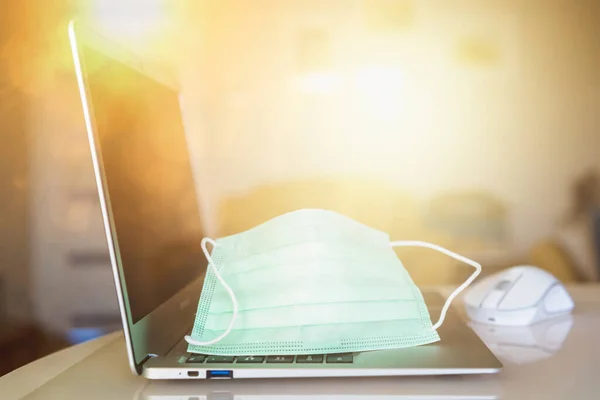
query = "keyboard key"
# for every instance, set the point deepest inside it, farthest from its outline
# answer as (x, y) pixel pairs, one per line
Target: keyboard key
(220, 359)
(309, 359)
(250, 360)
(280, 359)
(196, 359)
(340, 359)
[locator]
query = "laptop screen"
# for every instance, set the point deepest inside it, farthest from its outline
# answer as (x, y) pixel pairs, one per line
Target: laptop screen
(149, 180)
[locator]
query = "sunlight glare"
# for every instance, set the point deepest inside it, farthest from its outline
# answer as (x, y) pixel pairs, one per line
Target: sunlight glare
(381, 90)
(129, 19)
(319, 83)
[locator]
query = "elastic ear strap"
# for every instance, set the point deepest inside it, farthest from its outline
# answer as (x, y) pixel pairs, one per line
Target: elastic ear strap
(229, 291)
(476, 265)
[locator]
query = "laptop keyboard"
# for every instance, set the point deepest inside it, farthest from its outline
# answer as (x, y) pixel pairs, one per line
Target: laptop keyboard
(304, 359)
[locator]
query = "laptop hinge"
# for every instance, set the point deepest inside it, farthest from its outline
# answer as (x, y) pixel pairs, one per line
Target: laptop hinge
(148, 356)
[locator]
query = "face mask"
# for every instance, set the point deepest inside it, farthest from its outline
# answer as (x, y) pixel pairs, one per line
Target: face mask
(311, 282)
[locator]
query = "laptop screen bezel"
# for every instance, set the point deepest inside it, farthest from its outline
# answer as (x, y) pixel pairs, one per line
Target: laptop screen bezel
(156, 333)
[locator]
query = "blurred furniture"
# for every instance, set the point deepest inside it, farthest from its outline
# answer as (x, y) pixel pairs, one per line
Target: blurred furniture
(69, 263)
(15, 151)
(550, 255)
(377, 204)
(99, 370)
(2, 299)
(471, 215)
(17, 343)
(478, 223)
(22, 343)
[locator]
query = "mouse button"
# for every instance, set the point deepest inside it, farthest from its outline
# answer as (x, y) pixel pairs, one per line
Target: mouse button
(557, 300)
(512, 274)
(503, 285)
(524, 293)
(475, 295)
(493, 299)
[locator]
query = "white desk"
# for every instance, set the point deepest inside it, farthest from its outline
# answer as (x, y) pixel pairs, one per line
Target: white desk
(553, 361)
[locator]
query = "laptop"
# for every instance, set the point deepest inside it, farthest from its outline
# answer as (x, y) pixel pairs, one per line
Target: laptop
(153, 227)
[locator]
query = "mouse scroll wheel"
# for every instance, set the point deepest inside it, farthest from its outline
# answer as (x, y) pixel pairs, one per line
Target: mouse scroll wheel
(503, 286)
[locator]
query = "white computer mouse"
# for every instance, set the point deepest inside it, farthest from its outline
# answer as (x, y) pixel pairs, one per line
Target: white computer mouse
(518, 296)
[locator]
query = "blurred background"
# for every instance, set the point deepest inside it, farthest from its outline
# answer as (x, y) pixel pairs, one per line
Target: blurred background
(471, 124)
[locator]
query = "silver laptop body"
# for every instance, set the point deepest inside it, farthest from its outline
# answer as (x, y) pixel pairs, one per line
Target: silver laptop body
(152, 221)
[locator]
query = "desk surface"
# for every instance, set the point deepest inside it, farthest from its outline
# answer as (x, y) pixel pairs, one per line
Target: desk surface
(554, 360)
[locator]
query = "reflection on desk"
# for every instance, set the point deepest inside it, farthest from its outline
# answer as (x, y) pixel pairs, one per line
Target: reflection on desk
(399, 388)
(525, 344)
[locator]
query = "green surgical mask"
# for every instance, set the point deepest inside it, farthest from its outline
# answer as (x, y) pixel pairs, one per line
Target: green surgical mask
(311, 282)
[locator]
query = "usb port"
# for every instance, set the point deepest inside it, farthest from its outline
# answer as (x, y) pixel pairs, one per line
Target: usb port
(219, 374)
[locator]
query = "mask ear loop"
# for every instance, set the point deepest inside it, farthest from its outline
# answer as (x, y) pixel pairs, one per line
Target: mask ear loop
(476, 265)
(229, 291)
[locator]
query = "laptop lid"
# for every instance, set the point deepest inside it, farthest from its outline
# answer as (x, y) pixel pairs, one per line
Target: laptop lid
(146, 189)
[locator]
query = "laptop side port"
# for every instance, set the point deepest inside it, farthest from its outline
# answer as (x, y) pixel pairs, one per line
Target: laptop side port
(219, 374)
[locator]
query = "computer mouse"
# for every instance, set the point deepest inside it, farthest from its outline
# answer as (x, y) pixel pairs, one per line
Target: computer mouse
(518, 296)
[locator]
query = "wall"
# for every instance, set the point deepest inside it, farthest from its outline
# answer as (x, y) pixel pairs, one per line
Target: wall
(522, 124)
